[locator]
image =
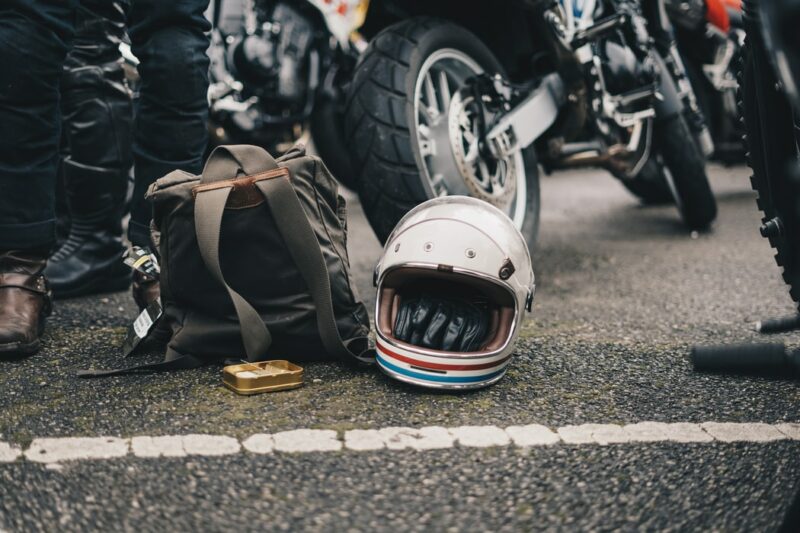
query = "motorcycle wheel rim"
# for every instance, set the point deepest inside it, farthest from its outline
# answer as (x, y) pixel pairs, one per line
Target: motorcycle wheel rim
(441, 75)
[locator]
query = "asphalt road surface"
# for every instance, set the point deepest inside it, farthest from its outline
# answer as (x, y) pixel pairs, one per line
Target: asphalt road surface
(623, 292)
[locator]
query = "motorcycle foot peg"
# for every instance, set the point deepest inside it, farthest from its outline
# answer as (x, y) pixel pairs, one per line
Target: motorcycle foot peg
(778, 325)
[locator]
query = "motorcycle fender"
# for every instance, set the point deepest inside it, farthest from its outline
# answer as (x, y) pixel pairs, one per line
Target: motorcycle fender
(669, 103)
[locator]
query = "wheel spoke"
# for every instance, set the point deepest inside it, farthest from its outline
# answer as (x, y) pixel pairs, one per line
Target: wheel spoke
(483, 174)
(439, 185)
(426, 114)
(430, 93)
(444, 90)
(473, 152)
(424, 132)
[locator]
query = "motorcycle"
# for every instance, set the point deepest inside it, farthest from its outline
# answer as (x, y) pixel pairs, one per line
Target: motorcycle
(768, 87)
(278, 72)
(277, 66)
(469, 98)
(710, 37)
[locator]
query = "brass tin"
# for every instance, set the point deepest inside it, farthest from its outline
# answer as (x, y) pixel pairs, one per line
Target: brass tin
(263, 376)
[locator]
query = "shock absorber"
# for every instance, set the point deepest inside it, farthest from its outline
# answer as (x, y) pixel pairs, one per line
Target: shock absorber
(660, 29)
(691, 111)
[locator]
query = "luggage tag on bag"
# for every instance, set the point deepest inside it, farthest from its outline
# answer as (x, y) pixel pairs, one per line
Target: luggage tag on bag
(144, 261)
(141, 327)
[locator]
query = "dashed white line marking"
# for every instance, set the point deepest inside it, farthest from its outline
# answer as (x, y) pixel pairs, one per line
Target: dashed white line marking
(259, 443)
(685, 432)
(732, 432)
(791, 430)
(210, 445)
(647, 431)
(8, 452)
(593, 433)
(307, 440)
(426, 438)
(167, 446)
(53, 451)
(75, 449)
(364, 439)
(480, 436)
(532, 435)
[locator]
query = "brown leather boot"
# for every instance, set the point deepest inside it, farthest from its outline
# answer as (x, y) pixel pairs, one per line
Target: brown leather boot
(24, 301)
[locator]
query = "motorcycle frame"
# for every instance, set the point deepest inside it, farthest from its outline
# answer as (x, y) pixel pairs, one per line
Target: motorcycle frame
(549, 99)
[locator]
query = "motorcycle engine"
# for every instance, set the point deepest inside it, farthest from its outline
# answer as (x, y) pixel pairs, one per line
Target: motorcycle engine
(264, 70)
(271, 60)
(622, 70)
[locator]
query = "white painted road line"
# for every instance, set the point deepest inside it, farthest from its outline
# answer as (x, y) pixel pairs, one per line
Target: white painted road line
(730, 432)
(532, 435)
(307, 440)
(260, 443)
(426, 438)
(53, 451)
(67, 449)
(480, 436)
(362, 440)
(8, 452)
(168, 446)
(790, 430)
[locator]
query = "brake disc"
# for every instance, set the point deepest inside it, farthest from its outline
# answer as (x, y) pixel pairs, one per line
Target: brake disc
(487, 178)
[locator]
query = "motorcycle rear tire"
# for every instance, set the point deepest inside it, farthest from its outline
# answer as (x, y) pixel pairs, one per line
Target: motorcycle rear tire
(771, 140)
(380, 121)
(685, 170)
(327, 130)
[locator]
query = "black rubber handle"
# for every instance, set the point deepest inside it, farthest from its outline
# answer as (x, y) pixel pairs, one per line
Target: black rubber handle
(741, 357)
(779, 325)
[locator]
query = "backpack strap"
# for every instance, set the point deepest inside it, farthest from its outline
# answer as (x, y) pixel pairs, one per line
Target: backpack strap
(301, 241)
(297, 233)
(179, 362)
(227, 162)
(209, 207)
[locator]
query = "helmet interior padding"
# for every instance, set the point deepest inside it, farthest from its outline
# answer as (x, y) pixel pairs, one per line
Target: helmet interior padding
(444, 311)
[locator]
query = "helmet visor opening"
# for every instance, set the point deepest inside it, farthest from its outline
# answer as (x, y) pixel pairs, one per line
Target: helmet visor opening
(444, 312)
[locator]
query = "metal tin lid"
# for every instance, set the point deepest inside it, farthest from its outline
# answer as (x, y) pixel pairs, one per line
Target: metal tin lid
(263, 376)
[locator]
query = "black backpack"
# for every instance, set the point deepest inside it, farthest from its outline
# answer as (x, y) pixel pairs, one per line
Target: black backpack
(254, 262)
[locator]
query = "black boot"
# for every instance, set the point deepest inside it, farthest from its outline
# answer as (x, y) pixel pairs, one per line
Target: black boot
(97, 115)
(91, 259)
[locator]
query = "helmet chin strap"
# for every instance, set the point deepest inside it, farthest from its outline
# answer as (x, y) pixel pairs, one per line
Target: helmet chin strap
(442, 323)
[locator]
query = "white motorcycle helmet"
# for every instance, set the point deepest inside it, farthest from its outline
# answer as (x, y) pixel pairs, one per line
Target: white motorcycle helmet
(454, 283)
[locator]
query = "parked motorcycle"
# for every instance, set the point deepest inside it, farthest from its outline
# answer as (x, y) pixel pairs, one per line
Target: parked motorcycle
(710, 36)
(769, 79)
(470, 97)
(279, 67)
(279, 71)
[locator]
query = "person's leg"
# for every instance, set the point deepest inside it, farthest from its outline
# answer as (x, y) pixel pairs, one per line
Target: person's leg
(97, 119)
(34, 38)
(170, 39)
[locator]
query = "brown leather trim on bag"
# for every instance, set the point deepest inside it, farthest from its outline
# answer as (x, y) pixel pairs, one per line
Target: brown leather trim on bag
(243, 181)
(37, 284)
(244, 193)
